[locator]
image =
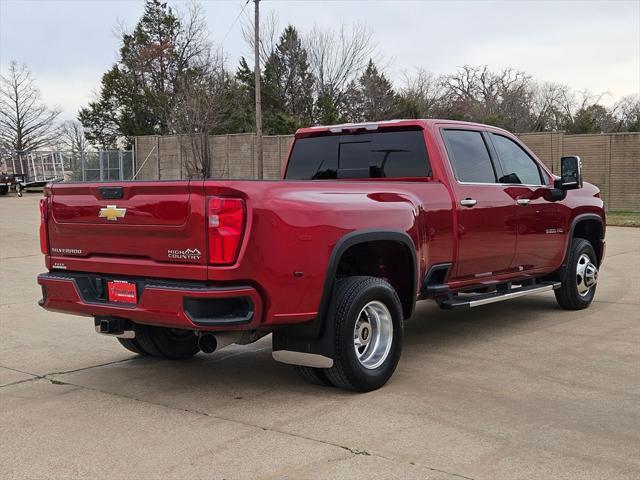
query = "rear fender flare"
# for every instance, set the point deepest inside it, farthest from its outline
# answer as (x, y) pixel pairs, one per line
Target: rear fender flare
(317, 328)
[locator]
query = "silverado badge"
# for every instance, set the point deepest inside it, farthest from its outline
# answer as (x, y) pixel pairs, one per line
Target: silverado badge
(113, 213)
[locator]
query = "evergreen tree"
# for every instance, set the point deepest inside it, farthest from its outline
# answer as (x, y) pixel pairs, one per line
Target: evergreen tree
(241, 100)
(327, 111)
(287, 86)
(137, 93)
(377, 99)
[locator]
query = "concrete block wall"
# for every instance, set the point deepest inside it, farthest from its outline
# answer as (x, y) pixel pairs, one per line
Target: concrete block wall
(624, 172)
(610, 161)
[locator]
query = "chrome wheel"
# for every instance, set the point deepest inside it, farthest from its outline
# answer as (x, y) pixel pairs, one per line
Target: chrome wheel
(373, 334)
(586, 274)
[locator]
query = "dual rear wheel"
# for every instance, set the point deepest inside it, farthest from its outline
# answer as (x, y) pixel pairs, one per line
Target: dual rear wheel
(368, 337)
(369, 326)
(167, 343)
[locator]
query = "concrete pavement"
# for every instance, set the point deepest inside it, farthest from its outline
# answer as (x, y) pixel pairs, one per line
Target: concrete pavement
(518, 389)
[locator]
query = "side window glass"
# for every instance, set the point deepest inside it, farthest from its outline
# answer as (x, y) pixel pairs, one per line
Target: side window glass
(469, 156)
(517, 165)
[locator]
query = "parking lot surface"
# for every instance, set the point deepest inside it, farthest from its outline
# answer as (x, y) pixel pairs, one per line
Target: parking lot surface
(518, 389)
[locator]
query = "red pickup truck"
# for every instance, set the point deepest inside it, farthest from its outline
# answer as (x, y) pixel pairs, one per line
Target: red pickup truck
(367, 220)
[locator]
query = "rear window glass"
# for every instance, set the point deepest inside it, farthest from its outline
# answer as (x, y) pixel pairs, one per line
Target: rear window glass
(469, 156)
(365, 155)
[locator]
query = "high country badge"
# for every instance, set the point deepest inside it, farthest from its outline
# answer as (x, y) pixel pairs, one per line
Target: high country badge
(187, 254)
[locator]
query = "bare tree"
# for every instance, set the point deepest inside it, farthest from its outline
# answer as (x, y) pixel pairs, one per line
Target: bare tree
(72, 137)
(194, 44)
(627, 113)
(425, 91)
(336, 59)
(501, 98)
(269, 35)
(200, 108)
(583, 113)
(551, 103)
(74, 142)
(25, 122)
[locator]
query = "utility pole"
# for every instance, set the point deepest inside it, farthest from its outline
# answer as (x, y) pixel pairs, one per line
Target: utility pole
(256, 71)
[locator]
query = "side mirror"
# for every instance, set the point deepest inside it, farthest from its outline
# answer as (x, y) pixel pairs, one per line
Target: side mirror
(570, 173)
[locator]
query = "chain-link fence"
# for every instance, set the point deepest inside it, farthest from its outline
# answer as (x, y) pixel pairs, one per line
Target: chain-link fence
(35, 167)
(101, 165)
(38, 167)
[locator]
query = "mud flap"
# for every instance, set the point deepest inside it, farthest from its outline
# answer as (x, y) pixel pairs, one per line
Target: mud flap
(296, 350)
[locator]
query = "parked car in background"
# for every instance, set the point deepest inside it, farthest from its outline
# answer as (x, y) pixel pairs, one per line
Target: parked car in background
(5, 183)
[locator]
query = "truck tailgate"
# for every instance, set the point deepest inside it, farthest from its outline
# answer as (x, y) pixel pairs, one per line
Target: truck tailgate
(148, 224)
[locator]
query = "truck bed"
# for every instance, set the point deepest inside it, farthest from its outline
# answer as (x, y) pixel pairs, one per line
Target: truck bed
(290, 232)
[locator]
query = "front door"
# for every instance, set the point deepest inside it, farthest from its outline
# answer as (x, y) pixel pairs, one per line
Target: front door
(485, 211)
(541, 238)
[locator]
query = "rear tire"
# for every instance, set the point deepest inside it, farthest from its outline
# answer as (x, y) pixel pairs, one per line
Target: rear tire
(316, 376)
(575, 292)
(368, 333)
(169, 343)
(132, 345)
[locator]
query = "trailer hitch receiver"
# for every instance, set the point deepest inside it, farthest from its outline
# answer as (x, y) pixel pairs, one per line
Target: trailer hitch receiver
(115, 326)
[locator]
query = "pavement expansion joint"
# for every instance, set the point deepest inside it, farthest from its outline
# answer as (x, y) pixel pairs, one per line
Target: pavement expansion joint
(47, 376)
(353, 451)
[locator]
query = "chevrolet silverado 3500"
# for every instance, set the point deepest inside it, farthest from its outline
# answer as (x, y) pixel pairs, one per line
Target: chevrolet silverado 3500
(367, 220)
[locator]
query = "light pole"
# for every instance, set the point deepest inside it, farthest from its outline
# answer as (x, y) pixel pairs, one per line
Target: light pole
(257, 87)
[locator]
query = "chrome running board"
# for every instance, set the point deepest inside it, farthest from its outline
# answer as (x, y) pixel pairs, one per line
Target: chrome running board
(476, 300)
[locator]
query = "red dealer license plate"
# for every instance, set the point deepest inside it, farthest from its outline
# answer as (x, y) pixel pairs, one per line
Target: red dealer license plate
(122, 291)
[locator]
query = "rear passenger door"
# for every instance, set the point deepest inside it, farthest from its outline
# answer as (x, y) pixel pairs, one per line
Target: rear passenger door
(485, 212)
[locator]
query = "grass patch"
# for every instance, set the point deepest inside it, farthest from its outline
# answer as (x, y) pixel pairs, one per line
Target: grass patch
(623, 219)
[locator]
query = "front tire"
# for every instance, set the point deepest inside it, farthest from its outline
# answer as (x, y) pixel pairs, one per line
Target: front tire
(369, 326)
(580, 277)
(168, 343)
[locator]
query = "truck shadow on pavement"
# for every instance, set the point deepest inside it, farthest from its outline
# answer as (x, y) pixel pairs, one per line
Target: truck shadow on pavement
(430, 326)
(241, 372)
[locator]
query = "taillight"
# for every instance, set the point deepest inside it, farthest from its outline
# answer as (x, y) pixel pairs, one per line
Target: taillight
(225, 217)
(44, 244)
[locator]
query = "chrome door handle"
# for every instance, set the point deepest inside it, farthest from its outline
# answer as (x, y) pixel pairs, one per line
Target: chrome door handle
(523, 201)
(468, 202)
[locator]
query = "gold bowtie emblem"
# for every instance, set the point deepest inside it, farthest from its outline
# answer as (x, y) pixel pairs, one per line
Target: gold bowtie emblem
(113, 213)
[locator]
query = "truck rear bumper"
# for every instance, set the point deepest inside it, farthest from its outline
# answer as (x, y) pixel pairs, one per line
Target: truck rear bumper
(188, 305)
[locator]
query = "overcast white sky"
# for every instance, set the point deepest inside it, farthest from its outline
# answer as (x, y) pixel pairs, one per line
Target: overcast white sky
(592, 45)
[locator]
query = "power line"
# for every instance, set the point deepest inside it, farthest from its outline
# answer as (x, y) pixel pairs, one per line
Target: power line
(234, 22)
